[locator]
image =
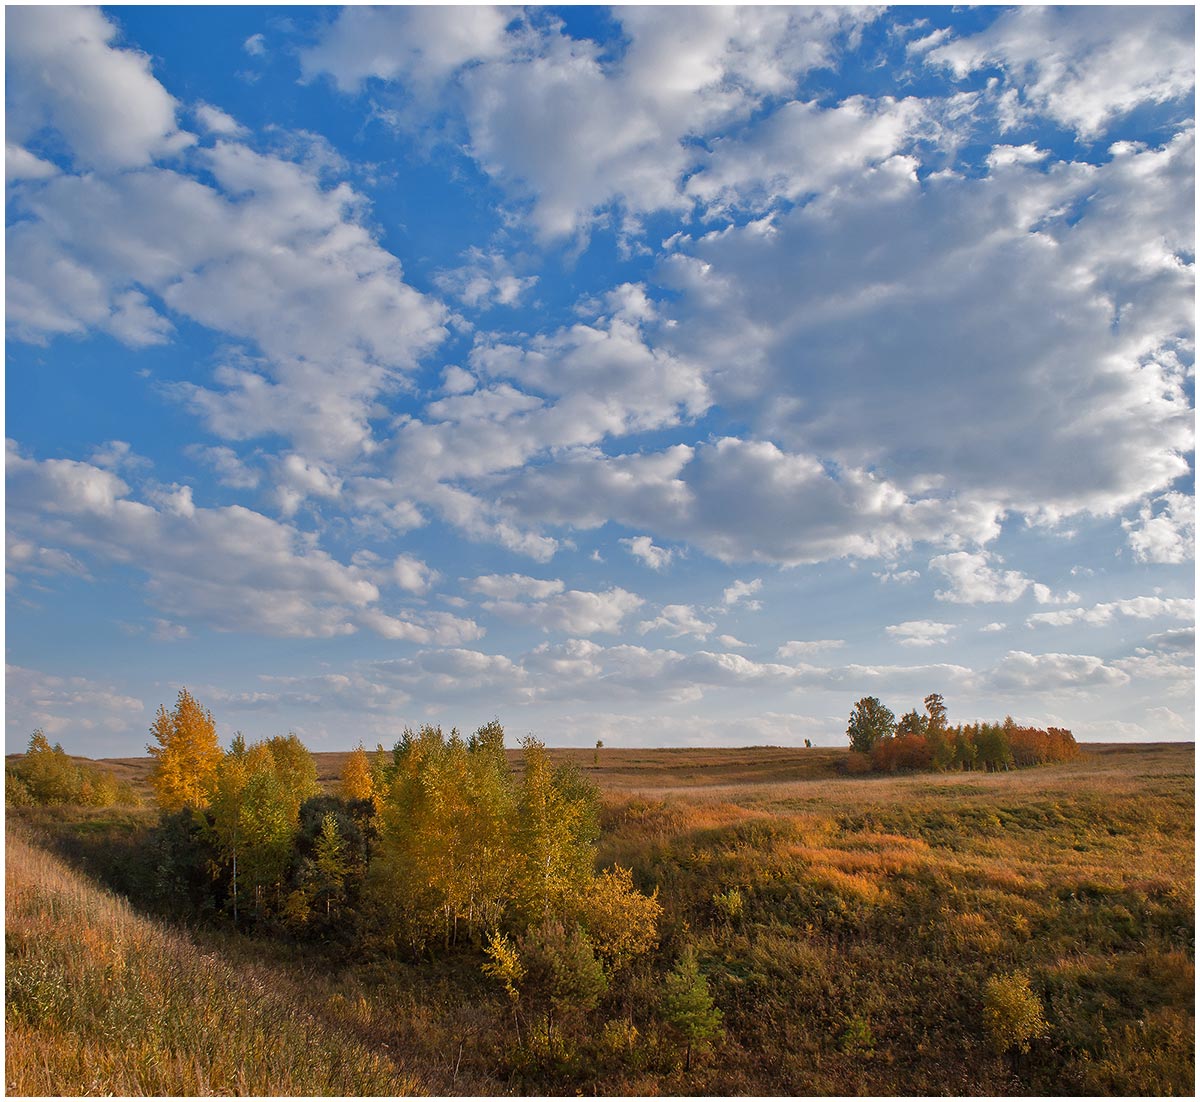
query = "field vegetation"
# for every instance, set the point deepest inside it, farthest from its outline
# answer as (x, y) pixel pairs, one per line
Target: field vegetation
(752, 921)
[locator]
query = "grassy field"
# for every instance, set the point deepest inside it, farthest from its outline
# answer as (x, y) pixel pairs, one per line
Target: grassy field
(848, 927)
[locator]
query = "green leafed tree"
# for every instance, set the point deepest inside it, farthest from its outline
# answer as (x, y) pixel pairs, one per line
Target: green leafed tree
(295, 769)
(993, 749)
(331, 859)
(48, 773)
(912, 723)
(965, 751)
(228, 790)
(941, 744)
(446, 859)
(936, 707)
(869, 722)
(254, 817)
(269, 820)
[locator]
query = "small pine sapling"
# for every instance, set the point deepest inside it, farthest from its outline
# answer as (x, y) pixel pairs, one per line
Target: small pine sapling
(687, 1006)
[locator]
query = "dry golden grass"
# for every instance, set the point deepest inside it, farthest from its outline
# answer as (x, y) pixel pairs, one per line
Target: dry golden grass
(103, 1001)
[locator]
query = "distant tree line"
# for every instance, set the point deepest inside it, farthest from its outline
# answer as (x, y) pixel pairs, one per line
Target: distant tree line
(924, 741)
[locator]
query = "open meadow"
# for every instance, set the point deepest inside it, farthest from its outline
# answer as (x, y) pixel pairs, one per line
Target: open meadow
(853, 933)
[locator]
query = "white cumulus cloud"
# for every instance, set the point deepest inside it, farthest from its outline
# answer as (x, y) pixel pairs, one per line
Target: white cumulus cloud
(1137, 608)
(1083, 67)
(1165, 530)
(64, 74)
(742, 592)
(643, 547)
(920, 633)
(676, 621)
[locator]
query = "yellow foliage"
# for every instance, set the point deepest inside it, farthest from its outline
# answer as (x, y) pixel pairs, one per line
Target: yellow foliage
(621, 922)
(504, 964)
(972, 930)
(852, 885)
(186, 757)
(1012, 1013)
(356, 782)
(619, 1036)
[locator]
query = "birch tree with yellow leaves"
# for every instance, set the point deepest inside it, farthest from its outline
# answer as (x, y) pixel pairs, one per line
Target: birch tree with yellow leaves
(185, 753)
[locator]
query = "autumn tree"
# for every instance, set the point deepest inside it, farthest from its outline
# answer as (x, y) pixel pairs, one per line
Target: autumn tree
(48, 773)
(936, 707)
(254, 816)
(557, 828)
(225, 810)
(488, 740)
(356, 782)
(446, 853)
(912, 723)
(295, 770)
(186, 754)
(870, 721)
(268, 821)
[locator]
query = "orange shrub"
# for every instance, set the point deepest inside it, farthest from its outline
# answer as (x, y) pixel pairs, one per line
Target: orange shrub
(908, 753)
(858, 763)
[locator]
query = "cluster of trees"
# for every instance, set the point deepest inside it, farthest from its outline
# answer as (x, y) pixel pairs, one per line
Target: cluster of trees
(922, 741)
(436, 845)
(48, 775)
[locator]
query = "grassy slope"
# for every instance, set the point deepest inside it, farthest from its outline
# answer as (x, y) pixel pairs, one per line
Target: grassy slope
(874, 911)
(103, 1001)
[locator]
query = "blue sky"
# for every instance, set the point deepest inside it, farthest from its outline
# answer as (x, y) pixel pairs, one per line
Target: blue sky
(665, 376)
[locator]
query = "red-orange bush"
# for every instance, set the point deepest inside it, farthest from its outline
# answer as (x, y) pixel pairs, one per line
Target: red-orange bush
(903, 752)
(858, 763)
